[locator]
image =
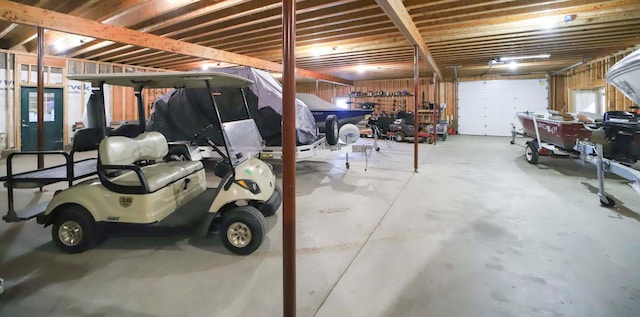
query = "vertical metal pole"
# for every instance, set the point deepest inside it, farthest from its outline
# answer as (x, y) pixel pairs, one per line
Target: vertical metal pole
(600, 171)
(436, 106)
(416, 123)
(40, 94)
(141, 118)
(9, 81)
(288, 160)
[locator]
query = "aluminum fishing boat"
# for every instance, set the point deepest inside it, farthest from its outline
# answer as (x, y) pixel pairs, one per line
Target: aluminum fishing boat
(561, 130)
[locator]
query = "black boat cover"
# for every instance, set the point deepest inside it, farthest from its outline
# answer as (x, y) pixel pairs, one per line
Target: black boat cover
(181, 113)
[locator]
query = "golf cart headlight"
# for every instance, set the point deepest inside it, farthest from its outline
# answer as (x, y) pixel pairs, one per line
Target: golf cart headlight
(249, 185)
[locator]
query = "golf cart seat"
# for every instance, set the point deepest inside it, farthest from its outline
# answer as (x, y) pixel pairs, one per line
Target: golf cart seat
(120, 169)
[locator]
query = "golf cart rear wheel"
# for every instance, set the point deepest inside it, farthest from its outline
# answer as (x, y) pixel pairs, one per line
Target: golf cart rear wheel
(331, 129)
(242, 230)
(399, 136)
(531, 153)
(74, 230)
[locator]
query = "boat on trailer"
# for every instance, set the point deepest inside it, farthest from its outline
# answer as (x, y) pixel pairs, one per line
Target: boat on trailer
(322, 109)
(611, 143)
(556, 128)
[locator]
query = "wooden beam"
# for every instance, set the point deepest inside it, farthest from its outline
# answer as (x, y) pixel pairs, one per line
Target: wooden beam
(23, 14)
(399, 15)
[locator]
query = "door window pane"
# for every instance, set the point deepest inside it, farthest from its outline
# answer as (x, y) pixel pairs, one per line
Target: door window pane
(49, 107)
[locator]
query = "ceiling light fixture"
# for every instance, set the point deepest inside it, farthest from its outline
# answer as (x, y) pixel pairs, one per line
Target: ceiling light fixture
(515, 58)
(502, 60)
(569, 17)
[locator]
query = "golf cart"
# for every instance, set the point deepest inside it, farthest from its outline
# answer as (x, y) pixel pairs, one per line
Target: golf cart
(135, 187)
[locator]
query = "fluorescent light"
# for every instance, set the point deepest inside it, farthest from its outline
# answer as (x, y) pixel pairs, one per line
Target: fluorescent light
(515, 58)
(59, 46)
(513, 65)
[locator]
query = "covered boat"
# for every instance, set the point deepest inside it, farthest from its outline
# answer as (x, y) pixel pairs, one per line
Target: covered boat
(321, 109)
(182, 112)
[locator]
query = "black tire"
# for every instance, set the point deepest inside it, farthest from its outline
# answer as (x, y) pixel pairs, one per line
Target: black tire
(74, 230)
(399, 137)
(607, 202)
(242, 230)
(531, 153)
(331, 129)
(177, 153)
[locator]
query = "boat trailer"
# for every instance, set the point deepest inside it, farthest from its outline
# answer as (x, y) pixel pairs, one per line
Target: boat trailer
(586, 152)
(592, 153)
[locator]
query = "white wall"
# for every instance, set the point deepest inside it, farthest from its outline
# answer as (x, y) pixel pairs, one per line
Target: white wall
(77, 96)
(6, 122)
(489, 107)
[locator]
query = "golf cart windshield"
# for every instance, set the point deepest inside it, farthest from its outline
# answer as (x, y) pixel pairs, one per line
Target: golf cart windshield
(243, 140)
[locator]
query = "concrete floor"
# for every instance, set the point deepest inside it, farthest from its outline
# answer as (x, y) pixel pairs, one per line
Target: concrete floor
(476, 232)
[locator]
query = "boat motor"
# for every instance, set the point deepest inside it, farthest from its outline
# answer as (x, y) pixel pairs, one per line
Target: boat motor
(621, 128)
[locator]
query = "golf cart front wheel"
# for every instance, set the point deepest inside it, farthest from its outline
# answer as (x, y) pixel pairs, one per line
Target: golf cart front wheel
(242, 230)
(399, 136)
(73, 230)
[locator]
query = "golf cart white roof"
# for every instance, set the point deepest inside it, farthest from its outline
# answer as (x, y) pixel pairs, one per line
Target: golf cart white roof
(165, 80)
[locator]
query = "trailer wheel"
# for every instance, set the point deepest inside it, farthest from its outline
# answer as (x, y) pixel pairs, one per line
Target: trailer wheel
(331, 129)
(74, 230)
(607, 202)
(531, 153)
(177, 153)
(399, 136)
(242, 230)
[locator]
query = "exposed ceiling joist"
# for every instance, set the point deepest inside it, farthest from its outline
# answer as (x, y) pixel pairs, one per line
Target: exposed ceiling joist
(396, 11)
(28, 15)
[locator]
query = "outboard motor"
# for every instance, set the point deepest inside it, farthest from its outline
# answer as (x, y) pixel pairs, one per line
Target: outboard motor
(621, 128)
